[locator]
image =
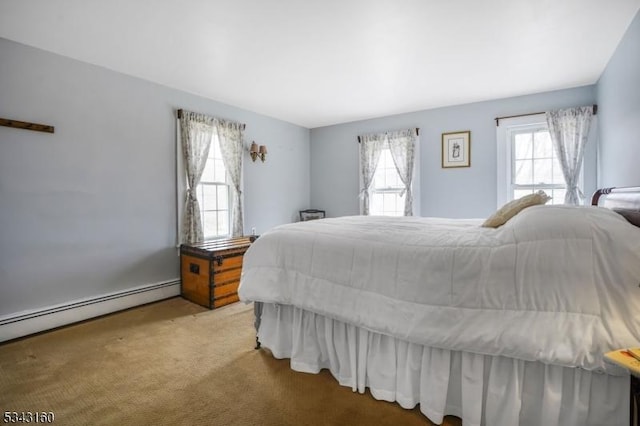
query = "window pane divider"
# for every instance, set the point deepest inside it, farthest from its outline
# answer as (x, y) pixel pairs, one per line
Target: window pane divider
(211, 183)
(539, 185)
(392, 189)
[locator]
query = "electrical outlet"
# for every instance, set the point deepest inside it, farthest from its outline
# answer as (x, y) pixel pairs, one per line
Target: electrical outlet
(253, 230)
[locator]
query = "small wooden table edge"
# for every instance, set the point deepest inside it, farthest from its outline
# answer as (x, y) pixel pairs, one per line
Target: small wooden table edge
(621, 358)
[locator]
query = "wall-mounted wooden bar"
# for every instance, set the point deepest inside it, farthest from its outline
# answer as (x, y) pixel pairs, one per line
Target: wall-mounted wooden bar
(25, 125)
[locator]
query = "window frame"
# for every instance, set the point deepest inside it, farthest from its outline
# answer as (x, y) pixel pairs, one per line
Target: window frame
(213, 183)
(533, 187)
(387, 189)
(505, 165)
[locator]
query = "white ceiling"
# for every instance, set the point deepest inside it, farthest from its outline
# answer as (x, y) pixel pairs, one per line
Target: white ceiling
(316, 63)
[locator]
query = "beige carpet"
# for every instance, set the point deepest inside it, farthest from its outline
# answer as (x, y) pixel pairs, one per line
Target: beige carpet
(176, 363)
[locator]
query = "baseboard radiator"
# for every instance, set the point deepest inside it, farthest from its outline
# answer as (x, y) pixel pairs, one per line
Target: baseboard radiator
(29, 322)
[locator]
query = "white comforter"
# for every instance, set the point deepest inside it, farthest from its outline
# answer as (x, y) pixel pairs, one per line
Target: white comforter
(556, 284)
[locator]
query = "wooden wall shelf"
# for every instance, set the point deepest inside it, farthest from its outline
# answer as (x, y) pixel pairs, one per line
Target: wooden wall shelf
(26, 126)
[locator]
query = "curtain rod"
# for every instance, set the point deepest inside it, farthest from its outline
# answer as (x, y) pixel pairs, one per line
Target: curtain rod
(595, 112)
(180, 116)
(417, 133)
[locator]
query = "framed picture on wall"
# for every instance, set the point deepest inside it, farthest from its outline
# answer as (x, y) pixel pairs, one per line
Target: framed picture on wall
(456, 149)
(311, 214)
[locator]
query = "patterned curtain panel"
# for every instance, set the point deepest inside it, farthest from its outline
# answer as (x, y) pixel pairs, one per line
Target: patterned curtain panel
(231, 139)
(569, 129)
(370, 149)
(402, 145)
(196, 133)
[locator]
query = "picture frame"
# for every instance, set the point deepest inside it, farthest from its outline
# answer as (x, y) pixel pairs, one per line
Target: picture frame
(311, 214)
(456, 149)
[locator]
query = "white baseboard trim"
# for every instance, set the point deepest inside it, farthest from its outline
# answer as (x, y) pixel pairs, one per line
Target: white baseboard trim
(29, 322)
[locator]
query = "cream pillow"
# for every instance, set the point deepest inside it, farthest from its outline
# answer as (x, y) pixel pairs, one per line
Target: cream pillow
(514, 207)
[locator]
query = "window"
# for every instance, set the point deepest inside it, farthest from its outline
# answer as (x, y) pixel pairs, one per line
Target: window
(527, 160)
(382, 191)
(534, 164)
(221, 177)
(386, 189)
(213, 193)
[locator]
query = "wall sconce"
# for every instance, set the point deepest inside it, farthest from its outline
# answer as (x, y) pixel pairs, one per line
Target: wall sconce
(263, 152)
(253, 151)
(256, 152)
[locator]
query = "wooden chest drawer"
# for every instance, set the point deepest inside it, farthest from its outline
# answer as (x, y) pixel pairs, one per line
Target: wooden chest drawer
(210, 271)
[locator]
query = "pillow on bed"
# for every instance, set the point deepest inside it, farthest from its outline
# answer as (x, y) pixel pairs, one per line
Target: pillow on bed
(514, 207)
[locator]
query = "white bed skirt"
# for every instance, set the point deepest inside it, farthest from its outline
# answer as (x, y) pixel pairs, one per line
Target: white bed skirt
(481, 389)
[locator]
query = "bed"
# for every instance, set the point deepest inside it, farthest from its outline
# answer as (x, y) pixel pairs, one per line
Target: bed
(504, 326)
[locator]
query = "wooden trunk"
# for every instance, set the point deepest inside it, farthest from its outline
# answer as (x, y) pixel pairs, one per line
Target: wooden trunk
(210, 271)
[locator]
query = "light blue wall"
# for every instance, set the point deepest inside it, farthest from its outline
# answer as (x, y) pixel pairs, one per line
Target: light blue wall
(466, 192)
(618, 94)
(91, 209)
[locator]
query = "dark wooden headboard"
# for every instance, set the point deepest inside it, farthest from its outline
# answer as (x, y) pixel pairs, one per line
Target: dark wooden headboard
(624, 200)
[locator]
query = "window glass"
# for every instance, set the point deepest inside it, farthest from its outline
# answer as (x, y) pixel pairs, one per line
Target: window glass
(523, 172)
(386, 188)
(542, 145)
(522, 145)
(534, 165)
(213, 195)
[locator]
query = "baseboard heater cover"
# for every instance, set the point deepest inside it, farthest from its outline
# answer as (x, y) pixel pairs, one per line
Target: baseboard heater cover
(29, 322)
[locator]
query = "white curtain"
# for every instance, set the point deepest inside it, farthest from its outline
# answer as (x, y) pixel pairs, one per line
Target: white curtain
(402, 145)
(569, 129)
(230, 135)
(196, 133)
(370, 149)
